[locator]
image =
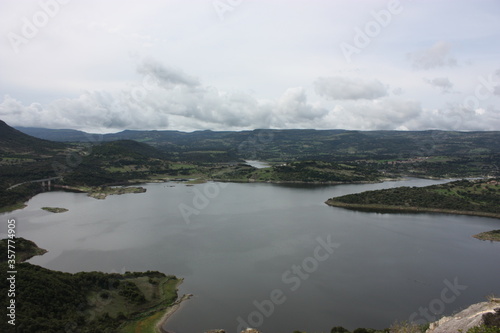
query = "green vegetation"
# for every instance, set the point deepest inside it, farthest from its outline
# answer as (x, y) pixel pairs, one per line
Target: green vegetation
(101, 192)
(303, 171)
(55, 209)
(484, 329)
(24, 249)
(472, 197)
(10, 208)
(493, 235)
(86, 302)
(146, 322)
(133, 302)
(491, 323)
(47, 300)
(317, 171)
(330, 156)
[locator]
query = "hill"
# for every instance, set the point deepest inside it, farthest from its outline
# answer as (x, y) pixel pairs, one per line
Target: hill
(297, 172)
(47, 300)
(24, 159)
(61, 135)
(414, 153)
(471, 197)
(13, 141)
(124, 161)
(269, 144)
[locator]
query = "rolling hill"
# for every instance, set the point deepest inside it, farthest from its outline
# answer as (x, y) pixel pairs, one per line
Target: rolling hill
(273, 144)
(13, 141)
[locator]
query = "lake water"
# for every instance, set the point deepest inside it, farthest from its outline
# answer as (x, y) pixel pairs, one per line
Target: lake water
(257, 164)
(273, 256)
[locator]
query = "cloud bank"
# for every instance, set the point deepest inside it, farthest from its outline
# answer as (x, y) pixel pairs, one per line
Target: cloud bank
(349, 88)
(168, 98)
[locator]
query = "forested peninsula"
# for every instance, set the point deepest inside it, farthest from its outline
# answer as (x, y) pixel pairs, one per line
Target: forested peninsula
(478, 197)
(86, 302)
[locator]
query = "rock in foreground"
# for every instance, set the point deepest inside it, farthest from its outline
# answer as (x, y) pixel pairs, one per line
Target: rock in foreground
(466, 319)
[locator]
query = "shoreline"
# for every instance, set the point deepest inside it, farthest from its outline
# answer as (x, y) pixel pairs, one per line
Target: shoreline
(170, 310)
(302, 182)
(404, 209)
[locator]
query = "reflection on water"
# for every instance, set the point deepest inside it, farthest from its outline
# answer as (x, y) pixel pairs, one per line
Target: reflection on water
(249, 253)
(258, 164)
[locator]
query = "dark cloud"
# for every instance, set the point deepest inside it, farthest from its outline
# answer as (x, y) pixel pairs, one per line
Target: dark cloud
(166, 76)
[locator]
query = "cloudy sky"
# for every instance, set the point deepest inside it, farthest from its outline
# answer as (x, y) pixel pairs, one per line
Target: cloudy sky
(105, 66)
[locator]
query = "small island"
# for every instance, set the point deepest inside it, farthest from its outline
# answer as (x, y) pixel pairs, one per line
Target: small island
(55, 209)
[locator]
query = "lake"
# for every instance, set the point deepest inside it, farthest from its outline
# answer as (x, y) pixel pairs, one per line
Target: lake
(273, 256)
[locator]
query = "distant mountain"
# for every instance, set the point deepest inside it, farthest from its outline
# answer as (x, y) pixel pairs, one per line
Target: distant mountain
(299, 144)
(14, 141)
(63, 135)
(117, 162)
(125, 149)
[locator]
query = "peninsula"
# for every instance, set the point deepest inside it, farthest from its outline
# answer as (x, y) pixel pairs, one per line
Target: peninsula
(479, 197)
(87, 301)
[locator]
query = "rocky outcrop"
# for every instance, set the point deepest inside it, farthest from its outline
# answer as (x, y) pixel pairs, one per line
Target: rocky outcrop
(464, 320)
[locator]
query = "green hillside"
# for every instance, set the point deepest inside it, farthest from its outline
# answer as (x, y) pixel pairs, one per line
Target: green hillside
(414, 153)
(13, 141)
(87, 302)
(472, 197)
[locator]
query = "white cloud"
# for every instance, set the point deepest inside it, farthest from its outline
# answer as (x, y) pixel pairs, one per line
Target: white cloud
(171, 99)
(442, 83)
(438, 55)
(166, 76)
(349, 88)
(268, 64)
(383, 114)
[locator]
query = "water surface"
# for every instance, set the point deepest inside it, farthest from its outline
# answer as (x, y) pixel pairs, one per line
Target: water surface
(249, 253)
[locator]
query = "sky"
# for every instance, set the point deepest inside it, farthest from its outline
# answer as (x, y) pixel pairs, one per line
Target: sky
(109, 65)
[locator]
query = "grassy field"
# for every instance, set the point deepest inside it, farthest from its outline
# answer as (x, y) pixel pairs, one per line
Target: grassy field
(146, 322)
(10, 208)
(493, 235)
(55, 209)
